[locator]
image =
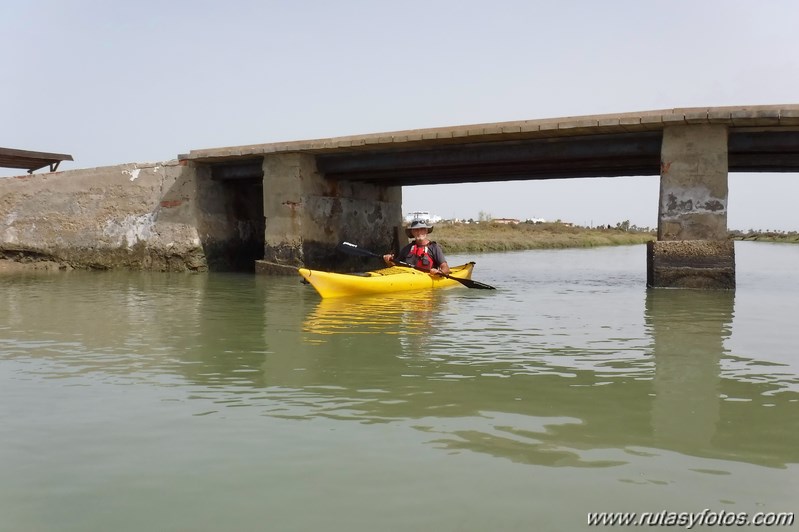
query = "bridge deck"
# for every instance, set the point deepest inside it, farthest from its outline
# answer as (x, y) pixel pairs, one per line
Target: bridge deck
(747, 116)
(762, 138)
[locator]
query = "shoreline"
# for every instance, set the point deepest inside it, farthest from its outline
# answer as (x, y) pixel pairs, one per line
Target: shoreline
(766, 236)
(498, 237)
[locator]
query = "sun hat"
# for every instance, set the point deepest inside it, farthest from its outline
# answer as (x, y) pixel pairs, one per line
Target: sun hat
(418, 224)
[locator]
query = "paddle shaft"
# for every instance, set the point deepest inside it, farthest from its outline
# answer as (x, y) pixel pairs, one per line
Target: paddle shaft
(465, 282)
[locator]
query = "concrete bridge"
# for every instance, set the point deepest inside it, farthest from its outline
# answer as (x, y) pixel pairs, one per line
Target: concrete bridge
(318, 192)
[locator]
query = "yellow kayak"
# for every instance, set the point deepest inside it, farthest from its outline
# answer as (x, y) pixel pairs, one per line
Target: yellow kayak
(392, 279)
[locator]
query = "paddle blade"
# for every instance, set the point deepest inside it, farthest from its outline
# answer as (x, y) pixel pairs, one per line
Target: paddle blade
(472, 284)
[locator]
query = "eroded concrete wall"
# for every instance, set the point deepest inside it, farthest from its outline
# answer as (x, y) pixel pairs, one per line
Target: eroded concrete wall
(136, 216)
(308, 215)
(171, 217)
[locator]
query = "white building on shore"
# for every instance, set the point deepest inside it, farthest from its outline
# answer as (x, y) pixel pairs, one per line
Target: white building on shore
(422, 215)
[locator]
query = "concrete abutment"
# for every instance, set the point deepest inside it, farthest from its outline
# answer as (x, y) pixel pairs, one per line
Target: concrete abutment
(150, 216)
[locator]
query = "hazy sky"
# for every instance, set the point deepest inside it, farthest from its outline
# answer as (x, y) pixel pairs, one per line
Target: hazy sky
(118, 82)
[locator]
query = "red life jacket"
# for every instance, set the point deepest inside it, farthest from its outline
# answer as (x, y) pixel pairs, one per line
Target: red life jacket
(422, 258)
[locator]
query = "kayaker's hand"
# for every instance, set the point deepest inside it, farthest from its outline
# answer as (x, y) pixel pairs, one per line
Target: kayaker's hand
(388, 258)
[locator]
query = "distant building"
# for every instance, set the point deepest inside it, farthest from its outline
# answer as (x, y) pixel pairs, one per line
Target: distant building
(507, 221)
(422, 215)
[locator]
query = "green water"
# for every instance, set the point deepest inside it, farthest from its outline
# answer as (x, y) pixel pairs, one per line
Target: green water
(139, 401)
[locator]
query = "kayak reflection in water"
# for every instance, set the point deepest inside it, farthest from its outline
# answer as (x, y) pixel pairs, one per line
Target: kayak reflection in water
(398, 313)
(422, 254)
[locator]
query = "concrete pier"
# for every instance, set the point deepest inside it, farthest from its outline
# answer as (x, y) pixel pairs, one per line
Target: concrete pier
(692, 250)
(307, 215)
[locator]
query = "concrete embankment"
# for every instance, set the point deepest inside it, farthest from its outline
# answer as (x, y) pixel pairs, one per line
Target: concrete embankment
(159, 216)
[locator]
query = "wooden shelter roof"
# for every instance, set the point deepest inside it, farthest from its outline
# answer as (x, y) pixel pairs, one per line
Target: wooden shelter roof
(31, 160)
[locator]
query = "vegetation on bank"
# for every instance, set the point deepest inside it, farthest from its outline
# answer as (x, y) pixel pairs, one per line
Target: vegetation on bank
(493, 236)
(791, 237)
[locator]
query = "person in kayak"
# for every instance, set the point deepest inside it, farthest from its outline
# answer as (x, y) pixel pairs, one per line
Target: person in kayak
(421, 253)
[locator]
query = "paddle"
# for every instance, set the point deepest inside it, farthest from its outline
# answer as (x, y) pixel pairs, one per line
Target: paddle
(353, 249)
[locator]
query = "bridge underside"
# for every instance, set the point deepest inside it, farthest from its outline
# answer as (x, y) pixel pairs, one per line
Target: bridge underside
(628, 154)
(617, 155)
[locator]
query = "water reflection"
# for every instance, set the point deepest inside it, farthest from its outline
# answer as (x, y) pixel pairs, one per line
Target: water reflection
(698, 411)
(472, 372)
(86, 322)
(688, 330)
(406, 313)
(387, 364)
(571, 387)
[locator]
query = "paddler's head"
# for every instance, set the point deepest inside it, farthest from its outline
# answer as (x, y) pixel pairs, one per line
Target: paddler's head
(418, 230)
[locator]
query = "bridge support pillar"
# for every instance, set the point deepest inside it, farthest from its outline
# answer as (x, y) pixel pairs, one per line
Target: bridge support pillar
(692, 249)
(307, 215)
